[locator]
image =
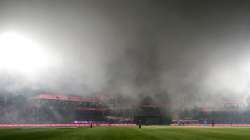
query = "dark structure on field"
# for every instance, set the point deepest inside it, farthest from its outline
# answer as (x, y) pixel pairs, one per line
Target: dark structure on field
(148, 112)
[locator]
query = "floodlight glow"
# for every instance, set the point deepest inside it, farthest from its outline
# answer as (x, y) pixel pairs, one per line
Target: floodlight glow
(20, 54)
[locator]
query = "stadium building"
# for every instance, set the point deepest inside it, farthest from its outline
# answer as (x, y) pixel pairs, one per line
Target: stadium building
(55, 108)
(69, 108)
(50, 108)
(231, 112)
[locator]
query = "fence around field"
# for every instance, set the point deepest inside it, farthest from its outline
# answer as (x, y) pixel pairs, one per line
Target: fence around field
(66, 125)
(215, 125)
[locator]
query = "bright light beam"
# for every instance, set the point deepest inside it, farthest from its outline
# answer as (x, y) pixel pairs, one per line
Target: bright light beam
(20, 54)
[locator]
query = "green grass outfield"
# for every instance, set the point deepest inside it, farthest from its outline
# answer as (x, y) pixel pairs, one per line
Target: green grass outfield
(125, 133)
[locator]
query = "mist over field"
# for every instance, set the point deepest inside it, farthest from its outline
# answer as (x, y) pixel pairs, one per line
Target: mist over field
(183, 53)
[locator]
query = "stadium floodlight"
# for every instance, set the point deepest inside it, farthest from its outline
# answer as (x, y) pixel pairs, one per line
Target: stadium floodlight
(20, 54)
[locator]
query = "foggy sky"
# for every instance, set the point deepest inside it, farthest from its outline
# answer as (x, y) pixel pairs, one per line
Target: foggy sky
(194, 52)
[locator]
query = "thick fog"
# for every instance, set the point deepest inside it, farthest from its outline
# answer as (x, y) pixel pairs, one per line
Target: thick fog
(194, 53)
